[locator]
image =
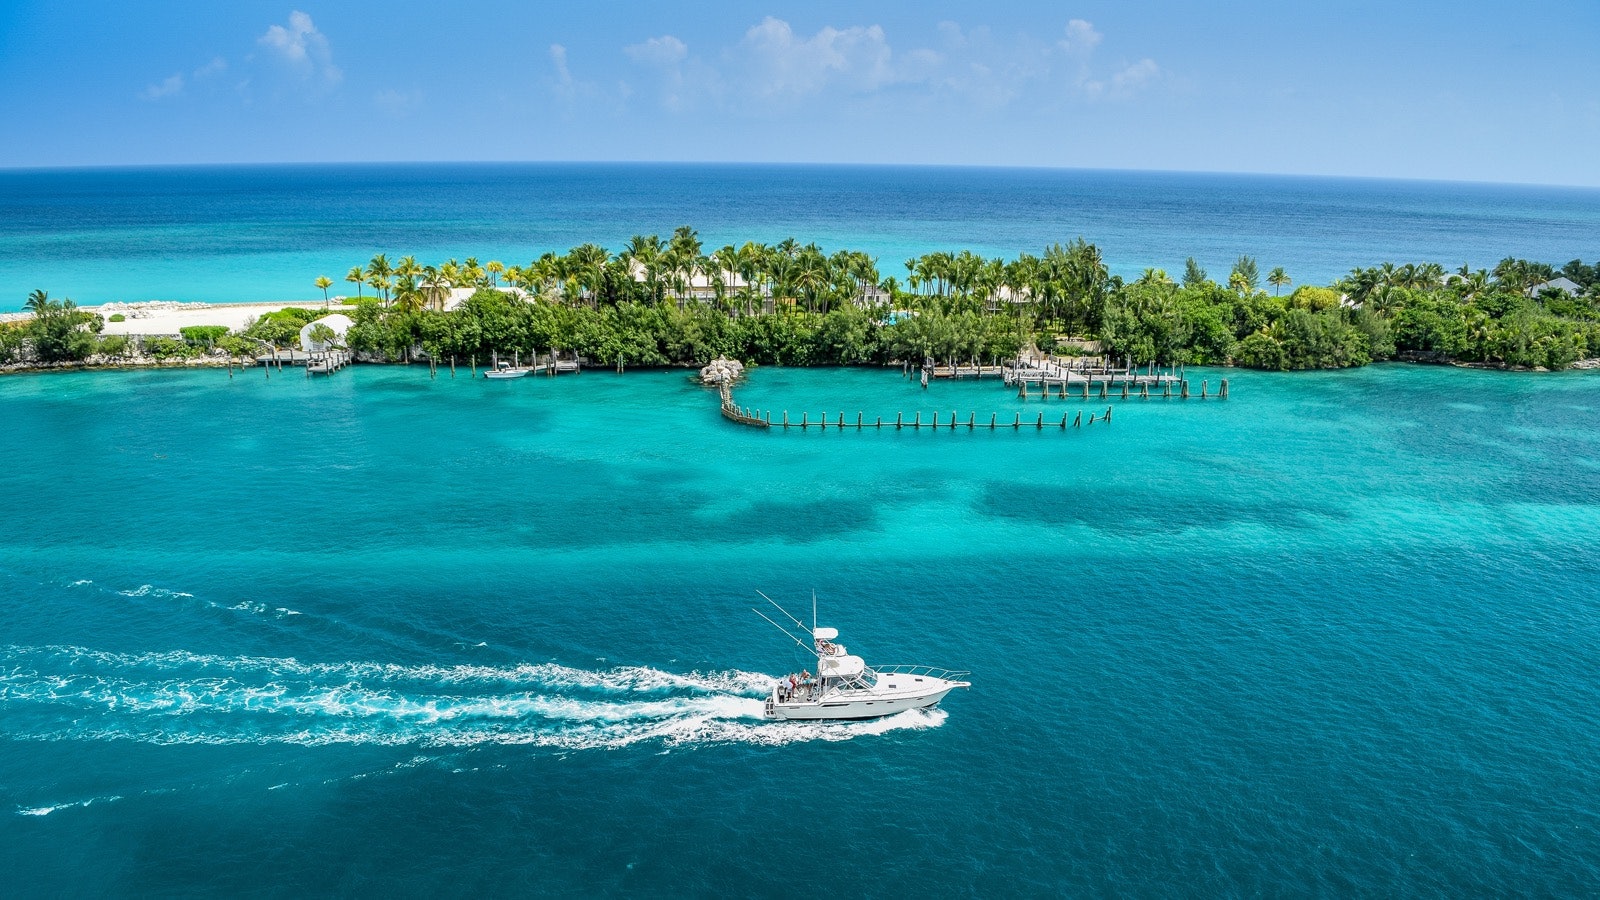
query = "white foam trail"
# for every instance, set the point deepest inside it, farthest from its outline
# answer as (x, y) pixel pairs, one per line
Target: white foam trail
(145, 590)
(553, 675)
(47, 810)
(177, 697)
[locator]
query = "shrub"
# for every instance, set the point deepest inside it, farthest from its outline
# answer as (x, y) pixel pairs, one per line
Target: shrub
(117, 317)
(113, 346)
(203, 335)
(167, 348)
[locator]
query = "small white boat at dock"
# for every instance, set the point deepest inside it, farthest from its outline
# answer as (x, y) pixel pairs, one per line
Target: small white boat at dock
(846, 688)
(506, 370)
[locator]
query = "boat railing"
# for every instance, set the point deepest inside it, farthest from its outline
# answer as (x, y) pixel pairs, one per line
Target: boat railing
(929, 671)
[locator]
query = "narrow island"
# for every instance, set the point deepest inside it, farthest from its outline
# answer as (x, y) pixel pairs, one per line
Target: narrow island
(665, 302)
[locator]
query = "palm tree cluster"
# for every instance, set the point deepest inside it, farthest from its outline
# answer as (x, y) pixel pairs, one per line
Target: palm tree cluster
(1065, 285)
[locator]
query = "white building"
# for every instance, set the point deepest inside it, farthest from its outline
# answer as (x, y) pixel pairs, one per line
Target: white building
(340, 324)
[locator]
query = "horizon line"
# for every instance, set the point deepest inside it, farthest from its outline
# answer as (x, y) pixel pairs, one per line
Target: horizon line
(835, 164)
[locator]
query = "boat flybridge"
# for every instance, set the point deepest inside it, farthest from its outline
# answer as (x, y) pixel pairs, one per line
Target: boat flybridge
(845, 687)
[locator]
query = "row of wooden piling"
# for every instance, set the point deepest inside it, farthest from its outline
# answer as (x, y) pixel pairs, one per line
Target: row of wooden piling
(757, 419)
(1127, 393)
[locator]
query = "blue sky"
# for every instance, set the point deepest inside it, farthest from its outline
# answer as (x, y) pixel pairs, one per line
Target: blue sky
(1463, 90)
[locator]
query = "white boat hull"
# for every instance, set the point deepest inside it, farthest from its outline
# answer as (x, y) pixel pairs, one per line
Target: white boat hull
(854, 708)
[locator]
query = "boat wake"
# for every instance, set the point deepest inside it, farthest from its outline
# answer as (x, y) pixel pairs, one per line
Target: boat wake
(60, 693)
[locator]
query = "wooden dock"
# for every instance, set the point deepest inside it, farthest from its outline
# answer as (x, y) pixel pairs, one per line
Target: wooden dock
(763, 419)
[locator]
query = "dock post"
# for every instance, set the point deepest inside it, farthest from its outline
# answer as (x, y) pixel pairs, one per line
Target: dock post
(841, 418)
(786, 418)
(992, 417)
(805, 419)
(952, 419)
(1018, 422)
(474, 365)
(1086, 388)
(1203, 383)
(1124, 390)
(858, 420)
(918, 422)
(1185, 386)
(880, 421)
(1040, 423)
(972, 420)
(1166, 390)
(1077, 421)
(1108, 415)
(1144, 391)
(1222, 391)
(1103, 389)
(898, 424)
(936, 418)
(230, 366)
(1023, 394)
(1063, 421)
(452, 365)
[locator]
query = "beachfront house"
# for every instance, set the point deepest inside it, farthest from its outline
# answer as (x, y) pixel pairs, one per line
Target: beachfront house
(338, 322)
(1563, 284)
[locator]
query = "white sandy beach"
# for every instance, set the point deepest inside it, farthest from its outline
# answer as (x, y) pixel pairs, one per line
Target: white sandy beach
(166, 318)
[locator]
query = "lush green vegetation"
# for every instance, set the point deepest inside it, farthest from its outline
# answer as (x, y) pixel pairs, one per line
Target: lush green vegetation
(58, 332)
(662, 302)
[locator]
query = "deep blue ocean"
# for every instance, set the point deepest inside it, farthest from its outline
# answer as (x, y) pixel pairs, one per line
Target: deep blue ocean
(380, 633)
(266, 232)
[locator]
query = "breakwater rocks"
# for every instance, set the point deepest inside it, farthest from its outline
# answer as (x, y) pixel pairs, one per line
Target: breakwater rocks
(721, 371)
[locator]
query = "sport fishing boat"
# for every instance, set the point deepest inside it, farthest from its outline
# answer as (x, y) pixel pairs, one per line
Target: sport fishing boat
(845, 687)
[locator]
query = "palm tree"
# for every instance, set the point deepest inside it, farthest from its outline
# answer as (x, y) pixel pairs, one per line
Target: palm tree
(1245, 275)
(324, 282)
(38, 302)
(378, 272)
(495, 268)
(359, 277)
(1278, 278)
(408, 270)
(435, 287)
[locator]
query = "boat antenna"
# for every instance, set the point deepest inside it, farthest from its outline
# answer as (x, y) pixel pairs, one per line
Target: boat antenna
(797, 623)
(813, 611)
(784, 630)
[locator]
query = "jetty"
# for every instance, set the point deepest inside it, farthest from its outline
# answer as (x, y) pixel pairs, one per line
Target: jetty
(740, 415)
(1068, 372)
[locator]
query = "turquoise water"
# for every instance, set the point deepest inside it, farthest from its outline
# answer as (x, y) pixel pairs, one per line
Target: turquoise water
(266, 232)
(376, 632)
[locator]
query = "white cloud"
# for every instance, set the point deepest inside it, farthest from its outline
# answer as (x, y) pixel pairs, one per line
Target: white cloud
(1081, 38)
(217, 66)
(574, 92)
(660, 51)
(168, 87)
(782, 64)
(1136, 76)
(303, 49)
